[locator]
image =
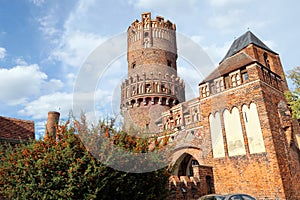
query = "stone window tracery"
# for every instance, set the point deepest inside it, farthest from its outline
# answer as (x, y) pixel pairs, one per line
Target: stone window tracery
(219, 85)
(235, 78)
(204, 90)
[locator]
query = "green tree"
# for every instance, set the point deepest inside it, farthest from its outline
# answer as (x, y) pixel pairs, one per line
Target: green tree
(293, 96)
(63, 168)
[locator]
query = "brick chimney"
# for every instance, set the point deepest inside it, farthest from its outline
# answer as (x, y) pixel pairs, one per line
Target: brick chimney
(52, 123)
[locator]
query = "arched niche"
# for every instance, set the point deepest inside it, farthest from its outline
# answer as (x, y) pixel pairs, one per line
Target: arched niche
(234, 133)
(216, 135)
(253, 129)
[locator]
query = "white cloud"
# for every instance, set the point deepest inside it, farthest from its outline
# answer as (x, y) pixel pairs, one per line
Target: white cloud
(37, 2)
(58, 101)
(63, 103)
(2, 53)
(51, 86)
(75, 47)
(48, 25)
(221, 3)
(72, 41)
(20, 61)
(217, 53)
(20, 82)
(225, 21)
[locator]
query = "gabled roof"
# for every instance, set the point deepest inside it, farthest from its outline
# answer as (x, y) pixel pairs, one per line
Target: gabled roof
(243, 41)
(12, 129)
(237, 61)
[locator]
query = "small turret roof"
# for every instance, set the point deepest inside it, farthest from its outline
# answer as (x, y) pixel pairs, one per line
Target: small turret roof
(243, 41)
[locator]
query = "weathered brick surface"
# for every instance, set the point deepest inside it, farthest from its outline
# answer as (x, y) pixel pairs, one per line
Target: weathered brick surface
(273, 174)
(152, 86)
(252, 75)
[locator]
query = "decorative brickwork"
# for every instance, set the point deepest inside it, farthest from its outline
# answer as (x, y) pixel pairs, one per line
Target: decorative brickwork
(236, 137)
(152, 86)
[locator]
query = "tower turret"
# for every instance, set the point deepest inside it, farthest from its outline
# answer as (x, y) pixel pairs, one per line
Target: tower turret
(152, 86)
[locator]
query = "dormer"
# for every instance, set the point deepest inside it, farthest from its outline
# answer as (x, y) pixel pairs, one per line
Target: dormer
(258, 51)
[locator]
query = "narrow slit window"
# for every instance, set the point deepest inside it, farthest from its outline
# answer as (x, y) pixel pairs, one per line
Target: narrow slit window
(169, 63)
(246, 119)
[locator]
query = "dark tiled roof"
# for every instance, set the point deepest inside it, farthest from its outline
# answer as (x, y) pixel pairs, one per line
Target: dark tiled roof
(12, 129)
(243, 41)
(235, 62)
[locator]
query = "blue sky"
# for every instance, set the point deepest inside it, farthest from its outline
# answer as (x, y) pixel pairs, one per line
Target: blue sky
(44, 44)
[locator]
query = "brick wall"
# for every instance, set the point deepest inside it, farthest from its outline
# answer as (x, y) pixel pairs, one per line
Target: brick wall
(274, 173)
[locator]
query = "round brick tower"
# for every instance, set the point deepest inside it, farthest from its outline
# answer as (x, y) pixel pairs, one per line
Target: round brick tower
(152, 86)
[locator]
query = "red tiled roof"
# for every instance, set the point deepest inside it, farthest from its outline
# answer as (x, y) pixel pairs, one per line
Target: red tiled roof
(235, 62)
(12, 129)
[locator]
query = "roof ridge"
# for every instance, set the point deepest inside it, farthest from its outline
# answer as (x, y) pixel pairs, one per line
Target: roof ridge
(242, 42)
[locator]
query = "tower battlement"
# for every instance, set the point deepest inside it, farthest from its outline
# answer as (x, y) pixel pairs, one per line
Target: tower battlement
(147, 33)
(152, 86)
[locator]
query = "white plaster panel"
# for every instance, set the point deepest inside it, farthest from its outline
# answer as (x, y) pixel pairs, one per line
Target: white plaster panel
(253, 129)
(216, 136)
(234, 133)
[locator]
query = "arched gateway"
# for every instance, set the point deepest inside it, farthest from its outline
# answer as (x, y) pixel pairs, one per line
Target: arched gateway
(191, 178)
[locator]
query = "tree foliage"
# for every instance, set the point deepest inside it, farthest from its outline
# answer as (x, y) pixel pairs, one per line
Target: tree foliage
(63, 168)
(293, 97)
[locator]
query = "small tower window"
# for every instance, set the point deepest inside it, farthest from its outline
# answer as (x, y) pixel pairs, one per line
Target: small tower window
(245, 76)
(227, 81)
(148, 88)
(147, 127)
(169, 63)
(267, 62)
(146, 34)
(133, 65)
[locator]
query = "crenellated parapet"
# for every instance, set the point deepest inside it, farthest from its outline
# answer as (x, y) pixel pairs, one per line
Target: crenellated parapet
(148, 33)
(152, 86)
